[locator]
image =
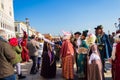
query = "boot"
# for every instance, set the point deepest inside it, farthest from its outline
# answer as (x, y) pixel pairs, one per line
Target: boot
(21, 77)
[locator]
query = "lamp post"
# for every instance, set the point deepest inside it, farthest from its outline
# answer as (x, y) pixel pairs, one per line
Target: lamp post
(117, 25)
(27, 23)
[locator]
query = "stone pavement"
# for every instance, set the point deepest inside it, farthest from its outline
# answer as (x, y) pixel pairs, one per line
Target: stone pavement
(27, 66)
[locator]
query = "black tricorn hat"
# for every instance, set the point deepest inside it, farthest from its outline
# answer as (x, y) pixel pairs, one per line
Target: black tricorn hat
(77, 33)
(99, 27)
(85, 33)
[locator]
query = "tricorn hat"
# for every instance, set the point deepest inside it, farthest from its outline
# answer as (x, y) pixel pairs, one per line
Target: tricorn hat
(85, 33)
(77, 33)
(99, 27)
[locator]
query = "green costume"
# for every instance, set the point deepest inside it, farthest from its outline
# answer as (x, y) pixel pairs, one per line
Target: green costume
(82, 62)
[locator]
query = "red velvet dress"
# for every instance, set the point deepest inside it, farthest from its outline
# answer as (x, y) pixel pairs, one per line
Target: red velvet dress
(116, 64)
(24, 55)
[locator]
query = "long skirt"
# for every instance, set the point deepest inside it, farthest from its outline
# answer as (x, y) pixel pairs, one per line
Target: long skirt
(115, 70)
(67, 67)
(82, 66)
(48, 69)
(25, 56)
(95, 71)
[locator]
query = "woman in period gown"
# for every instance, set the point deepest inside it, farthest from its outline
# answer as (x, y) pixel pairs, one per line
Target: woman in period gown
(25, 52)
(48, 69)
(115, 58)
(95, 69)
(67, 55)
(82, 57)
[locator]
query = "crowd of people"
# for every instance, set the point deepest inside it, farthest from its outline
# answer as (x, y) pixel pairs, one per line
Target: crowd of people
(89, 51)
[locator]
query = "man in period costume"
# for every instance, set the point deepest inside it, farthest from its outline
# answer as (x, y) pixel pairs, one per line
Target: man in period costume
(76, 44)
(104, 45)
(82, 57)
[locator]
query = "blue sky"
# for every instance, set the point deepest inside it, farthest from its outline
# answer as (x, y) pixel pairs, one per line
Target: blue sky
(53, 16)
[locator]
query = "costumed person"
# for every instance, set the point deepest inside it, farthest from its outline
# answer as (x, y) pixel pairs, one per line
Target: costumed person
(95, 70)
(104, 45)
(18, 50)
(67, 55)
(82, 57)
(115, 58)
(76, 44)
(25, 55)
(48, 68)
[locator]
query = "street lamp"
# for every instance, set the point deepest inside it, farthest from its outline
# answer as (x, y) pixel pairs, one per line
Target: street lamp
(27, 23)
(117, 26)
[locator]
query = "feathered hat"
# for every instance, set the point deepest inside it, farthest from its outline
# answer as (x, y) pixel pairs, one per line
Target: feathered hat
(91, 38)
(66, 35)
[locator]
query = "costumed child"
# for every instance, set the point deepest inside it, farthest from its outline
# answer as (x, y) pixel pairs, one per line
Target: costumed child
(94, 61)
